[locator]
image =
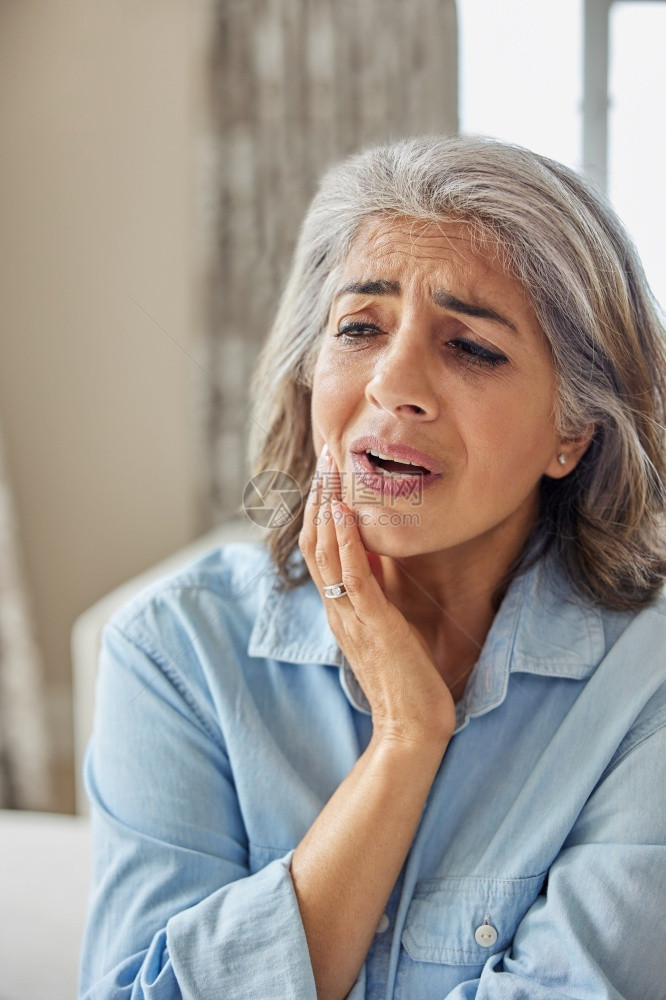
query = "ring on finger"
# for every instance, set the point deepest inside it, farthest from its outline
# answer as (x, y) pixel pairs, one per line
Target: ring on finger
(334, 590)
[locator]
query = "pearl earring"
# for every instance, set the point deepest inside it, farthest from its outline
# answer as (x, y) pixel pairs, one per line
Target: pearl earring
(562, 459)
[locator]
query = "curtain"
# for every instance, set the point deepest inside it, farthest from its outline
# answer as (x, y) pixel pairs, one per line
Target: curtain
(294, 85)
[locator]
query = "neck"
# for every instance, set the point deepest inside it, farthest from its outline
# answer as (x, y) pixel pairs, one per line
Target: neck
(451, 597)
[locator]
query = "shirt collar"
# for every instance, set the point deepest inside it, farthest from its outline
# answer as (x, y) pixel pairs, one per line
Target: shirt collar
(542, 627)
(292, 626)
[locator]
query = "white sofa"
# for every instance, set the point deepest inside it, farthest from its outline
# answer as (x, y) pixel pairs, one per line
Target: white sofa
(44, 877)
(45, 858)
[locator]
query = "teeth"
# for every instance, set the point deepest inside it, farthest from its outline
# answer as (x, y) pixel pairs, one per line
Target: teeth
(393, 475)
(389, 458)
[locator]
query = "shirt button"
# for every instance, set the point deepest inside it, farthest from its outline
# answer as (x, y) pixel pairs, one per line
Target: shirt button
(485, 935)
(383, 923)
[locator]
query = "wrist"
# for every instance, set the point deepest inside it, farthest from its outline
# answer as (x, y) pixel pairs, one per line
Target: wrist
(427, 727)
(416, 741)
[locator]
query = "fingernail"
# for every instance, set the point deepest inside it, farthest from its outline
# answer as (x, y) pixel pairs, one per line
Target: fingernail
(322, 454)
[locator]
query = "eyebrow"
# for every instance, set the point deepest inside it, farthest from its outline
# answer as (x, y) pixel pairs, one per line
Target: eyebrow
(448, 301)
(439, 297)
(370, 288)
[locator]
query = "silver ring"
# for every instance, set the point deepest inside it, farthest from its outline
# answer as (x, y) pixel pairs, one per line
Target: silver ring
(334, 590)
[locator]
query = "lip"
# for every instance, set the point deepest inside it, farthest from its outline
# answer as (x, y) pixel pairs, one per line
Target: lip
(399, 487)
(404, 487)
(397, 451)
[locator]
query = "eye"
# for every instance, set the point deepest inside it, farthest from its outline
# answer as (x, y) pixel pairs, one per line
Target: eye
(474, 354)
(357, 330)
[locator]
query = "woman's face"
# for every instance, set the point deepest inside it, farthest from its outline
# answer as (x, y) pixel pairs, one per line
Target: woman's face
(430, 345)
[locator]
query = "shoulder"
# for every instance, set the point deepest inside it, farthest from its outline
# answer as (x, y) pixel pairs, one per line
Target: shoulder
(184, 637)
(640, 652)
(554, 613)
(213, 600)
(619, 657)
(638, 639)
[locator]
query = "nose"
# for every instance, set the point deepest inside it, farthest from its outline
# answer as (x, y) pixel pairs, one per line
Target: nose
(401, 381)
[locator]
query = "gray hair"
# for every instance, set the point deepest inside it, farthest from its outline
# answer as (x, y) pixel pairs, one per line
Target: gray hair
(563, 242)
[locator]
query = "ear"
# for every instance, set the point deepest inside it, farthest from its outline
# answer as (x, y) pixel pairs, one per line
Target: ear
(571, 450)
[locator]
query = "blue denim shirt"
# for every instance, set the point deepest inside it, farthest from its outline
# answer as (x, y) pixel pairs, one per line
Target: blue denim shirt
(227, 716)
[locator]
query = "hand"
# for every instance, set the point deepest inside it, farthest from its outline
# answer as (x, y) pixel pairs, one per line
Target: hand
(392, 662)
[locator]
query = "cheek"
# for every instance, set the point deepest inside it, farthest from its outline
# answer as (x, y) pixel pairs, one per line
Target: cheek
(323, 390)
(334, 380)
(332, 393)
(510, 433)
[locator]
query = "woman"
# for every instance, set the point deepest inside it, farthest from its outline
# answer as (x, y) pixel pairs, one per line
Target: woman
(414, 748)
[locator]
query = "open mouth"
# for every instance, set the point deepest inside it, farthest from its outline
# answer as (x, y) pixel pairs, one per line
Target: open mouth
(392, 477)
(389, 466)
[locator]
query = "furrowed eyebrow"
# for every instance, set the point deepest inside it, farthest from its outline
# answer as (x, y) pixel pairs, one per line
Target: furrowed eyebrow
(439, 297)
(370, 288)
(448, 301)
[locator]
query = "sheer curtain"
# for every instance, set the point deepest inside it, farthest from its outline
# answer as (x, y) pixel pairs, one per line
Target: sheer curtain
(294, 85)
(24, 780)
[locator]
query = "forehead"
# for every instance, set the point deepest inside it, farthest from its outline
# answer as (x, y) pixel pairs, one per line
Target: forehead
(399, 247)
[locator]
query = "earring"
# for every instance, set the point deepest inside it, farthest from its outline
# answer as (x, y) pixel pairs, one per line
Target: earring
(562, 459)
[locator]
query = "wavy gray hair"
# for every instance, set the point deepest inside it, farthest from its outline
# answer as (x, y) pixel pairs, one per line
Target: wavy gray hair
(557, 236)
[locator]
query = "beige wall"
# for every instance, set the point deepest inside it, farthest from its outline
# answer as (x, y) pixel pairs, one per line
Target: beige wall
(98, 105)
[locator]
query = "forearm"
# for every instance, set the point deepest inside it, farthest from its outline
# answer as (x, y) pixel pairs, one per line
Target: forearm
(346, 865)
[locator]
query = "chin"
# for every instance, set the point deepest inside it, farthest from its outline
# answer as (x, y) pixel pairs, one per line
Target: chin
(390, 532)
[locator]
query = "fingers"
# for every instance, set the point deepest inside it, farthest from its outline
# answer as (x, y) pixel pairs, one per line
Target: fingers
(390, 659)
(364, 592)
(327, 557)
(332, 548)
(317, 537)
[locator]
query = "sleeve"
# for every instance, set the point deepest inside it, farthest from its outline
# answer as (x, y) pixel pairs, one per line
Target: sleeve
(597, 931)
(174, 911)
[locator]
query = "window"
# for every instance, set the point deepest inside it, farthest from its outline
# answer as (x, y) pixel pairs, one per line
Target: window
(636, 140)
(522, 67)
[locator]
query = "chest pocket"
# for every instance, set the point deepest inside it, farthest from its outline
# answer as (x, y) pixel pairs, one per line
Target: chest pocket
(446, 915)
